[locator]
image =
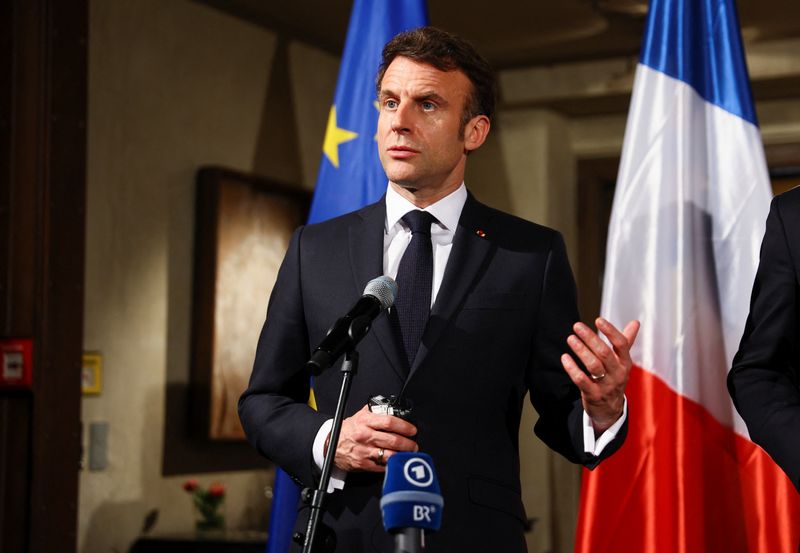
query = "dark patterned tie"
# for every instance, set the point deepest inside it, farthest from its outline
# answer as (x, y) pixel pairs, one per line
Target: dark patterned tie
(414, 282)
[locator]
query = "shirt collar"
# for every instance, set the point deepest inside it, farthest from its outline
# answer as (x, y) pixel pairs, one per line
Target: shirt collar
(447, 210)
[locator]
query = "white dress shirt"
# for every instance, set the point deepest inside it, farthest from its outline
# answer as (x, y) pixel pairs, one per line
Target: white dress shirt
(396, 238)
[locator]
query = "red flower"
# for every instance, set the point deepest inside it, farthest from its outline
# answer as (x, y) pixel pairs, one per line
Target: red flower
(190, 485)
(216, 490)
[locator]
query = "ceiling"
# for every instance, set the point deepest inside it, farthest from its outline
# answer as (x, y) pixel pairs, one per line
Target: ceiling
(512, 33)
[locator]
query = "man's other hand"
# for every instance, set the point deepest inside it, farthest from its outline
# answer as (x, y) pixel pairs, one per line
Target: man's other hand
(603, 389)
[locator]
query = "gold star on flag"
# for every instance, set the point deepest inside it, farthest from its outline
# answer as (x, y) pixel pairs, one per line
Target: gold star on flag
(335, 136)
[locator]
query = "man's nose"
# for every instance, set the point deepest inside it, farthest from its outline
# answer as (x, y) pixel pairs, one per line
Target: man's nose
(401, 119)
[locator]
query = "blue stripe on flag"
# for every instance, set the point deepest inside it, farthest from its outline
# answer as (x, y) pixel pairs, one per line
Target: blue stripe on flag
(699, 43)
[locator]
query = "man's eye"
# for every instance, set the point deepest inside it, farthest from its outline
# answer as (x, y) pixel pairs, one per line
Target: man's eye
(391, 104)
(427, 106)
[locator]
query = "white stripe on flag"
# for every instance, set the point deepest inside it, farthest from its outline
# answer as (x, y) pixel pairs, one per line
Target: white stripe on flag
(703, 171)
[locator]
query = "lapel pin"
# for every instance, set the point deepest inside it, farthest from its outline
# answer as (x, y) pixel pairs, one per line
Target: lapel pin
(480, 233)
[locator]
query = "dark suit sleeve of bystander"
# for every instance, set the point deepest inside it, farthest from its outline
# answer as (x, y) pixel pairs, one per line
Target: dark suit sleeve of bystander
(763, 381)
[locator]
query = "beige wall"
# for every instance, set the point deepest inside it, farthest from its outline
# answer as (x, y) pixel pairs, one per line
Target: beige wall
(172, 86)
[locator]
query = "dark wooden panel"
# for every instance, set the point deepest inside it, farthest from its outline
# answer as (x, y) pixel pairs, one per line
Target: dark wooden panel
(6, 65)
(42, 194)
(15, 407)
(15, 411)
(596, 184)
(61, 204)
(20, 181)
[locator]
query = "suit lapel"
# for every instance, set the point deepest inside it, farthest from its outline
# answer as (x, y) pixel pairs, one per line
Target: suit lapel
(366, 258)
(469, 254)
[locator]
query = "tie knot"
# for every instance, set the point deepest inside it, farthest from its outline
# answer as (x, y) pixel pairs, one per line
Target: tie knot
(419, 221)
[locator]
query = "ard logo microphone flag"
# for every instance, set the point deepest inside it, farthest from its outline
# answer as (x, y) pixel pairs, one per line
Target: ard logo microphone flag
(350, 174)
(411, 497)
(689, 209)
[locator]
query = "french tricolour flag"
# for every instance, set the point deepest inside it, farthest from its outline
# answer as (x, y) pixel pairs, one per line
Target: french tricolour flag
(691, 200)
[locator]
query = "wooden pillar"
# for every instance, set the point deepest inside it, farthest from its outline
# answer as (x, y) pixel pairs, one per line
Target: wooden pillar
(43, 48)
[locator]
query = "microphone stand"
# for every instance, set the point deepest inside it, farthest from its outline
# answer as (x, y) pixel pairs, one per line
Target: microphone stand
(409, 540)
(324, 541)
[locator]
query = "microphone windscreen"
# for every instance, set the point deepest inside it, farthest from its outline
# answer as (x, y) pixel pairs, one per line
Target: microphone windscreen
(382, 288)
(411, 497)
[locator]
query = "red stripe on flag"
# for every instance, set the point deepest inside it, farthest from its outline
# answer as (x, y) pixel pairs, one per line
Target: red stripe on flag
(684, 483)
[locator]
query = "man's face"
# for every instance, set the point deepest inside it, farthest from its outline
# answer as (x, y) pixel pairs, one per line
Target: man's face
(419, 139)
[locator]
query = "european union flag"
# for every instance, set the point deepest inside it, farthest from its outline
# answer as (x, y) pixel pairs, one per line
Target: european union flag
(350, 173)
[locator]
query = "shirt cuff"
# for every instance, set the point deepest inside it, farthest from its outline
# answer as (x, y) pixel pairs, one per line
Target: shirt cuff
(318, 451)
(596, 446)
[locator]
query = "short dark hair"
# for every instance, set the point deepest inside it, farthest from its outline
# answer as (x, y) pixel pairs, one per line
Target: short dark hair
(446, 52)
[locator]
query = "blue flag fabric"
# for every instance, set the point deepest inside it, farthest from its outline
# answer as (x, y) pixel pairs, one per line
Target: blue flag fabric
(350, 173)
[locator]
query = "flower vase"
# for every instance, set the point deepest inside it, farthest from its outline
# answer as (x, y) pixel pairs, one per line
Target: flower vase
(209, 518)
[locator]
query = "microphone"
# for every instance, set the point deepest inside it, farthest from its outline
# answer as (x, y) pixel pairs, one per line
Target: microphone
(412, 500)
(347, 331)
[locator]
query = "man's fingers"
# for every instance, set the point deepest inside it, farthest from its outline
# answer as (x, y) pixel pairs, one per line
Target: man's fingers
(618, 340)
(597, 347)
(386, 423)
(621, 341)
(394, 442)
(631, 331)
(395, 425)
(575, 374)
(588, 357)
(368, 458)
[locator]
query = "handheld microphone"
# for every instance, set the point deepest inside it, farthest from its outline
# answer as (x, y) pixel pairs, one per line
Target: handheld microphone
(412, 500)
(347, 331)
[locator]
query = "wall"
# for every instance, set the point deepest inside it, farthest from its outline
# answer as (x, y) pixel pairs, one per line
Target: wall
(172, 86)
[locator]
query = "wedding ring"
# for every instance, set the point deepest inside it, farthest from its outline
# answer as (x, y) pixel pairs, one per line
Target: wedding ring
(597, 377)
(380, 460)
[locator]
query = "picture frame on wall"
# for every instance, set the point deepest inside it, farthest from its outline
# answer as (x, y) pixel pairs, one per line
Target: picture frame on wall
(242, 229)
(91, 373)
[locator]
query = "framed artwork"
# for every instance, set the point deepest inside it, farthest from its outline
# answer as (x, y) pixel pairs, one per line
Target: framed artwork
(92, 373)
(242, 229)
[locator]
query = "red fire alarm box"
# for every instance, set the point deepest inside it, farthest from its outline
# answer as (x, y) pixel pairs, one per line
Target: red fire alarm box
(16, 363)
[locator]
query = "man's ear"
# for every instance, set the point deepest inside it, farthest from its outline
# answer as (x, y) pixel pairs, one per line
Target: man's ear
(475, 132)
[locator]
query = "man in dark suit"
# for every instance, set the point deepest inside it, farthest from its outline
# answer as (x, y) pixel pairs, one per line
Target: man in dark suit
(496, 301)
(764, 379)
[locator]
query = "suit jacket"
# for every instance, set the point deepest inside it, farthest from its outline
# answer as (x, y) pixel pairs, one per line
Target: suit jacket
(497, 329)
(763, 381)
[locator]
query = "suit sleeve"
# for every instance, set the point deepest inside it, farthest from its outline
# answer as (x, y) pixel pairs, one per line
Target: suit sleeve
(554, 396)
(763, 379)
(274, 411)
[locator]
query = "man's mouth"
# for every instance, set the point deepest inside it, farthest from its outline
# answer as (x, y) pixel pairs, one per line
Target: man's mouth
(401, 152)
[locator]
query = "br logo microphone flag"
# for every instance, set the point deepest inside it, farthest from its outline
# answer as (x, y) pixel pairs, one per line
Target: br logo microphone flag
(350, 174)
(411, 496)
(689, 209)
